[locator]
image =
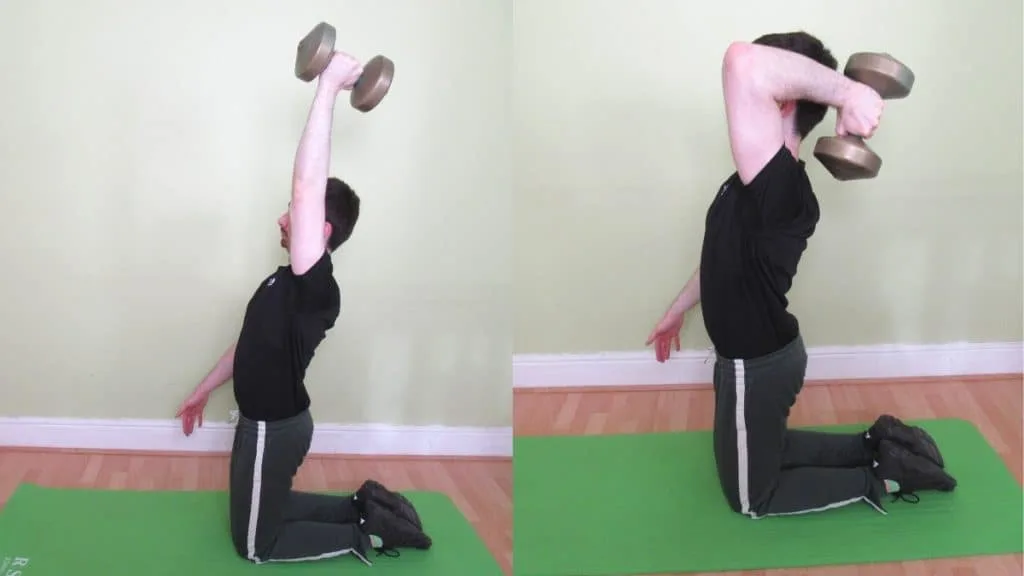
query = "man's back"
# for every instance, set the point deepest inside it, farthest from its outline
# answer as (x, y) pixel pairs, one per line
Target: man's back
(286, 319)
(754, 237)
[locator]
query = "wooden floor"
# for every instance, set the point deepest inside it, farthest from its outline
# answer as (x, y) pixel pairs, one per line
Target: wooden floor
(995, 405)
(481, 488)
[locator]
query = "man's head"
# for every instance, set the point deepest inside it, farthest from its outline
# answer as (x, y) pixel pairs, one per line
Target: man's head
(342, 213)
(805, 115)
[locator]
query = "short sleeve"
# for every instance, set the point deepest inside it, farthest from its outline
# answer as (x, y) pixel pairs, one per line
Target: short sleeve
(782, 192)
(316, 290)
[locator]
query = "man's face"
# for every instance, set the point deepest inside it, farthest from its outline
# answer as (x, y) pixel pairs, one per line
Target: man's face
(282, 223)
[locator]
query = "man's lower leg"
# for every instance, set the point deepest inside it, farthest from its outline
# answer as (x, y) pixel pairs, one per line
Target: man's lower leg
(304, 540)
(816, 489)
(822, 449)
(320, 508)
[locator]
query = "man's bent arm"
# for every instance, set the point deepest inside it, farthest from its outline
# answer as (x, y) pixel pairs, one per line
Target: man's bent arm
(309, 184)
(755, 80)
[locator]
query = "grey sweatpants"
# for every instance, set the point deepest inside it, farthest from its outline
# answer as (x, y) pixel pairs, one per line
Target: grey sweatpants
(766, 469)
(270, 522)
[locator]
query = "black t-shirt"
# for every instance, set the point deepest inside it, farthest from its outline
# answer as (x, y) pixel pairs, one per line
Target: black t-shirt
(286, 319)
(754, 237)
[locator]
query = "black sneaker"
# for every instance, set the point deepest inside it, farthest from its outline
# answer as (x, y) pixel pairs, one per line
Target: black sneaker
(392, 530)
(913, 438)
(910, 471)
(400, 505)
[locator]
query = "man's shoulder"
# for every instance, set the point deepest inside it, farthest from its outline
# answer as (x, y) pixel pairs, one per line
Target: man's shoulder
(320, 312)
(318, 278)
(784, 176)
(317, 289)
(784, 196)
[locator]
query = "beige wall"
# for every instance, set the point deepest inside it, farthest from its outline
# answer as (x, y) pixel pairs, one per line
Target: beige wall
(147, 149)
(621, 143)
(146, 154)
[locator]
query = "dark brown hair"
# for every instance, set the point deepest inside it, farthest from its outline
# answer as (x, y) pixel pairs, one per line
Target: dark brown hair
(342, 212)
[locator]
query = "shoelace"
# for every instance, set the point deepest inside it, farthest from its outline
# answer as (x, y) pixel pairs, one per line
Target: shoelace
(390, 552)
(908, 497)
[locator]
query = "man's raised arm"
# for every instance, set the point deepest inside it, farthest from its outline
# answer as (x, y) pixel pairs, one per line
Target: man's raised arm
(307, 211)
(756, 80)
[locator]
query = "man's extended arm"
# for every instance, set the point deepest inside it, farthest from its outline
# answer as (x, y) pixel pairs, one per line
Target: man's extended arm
(688, 297)
(755, 80)
(309, 183)
(221, 372)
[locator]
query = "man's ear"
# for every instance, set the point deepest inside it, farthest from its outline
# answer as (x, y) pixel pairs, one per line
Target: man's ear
(327, 231)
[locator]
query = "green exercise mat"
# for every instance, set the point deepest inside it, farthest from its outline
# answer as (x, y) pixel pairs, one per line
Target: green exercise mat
(154, 533)
(651, 503)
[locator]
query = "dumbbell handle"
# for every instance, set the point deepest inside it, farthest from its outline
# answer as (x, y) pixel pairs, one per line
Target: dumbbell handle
(362, 73)
(315, 52)
(879, 71)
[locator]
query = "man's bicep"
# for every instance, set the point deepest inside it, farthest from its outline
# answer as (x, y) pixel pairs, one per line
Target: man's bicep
(306, 244)
(753, 117)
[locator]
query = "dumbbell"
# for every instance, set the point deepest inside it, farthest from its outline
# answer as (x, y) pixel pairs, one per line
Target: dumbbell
(848, 157)
(314, 53)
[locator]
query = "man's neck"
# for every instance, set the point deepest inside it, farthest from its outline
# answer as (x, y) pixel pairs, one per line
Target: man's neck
(793, 144)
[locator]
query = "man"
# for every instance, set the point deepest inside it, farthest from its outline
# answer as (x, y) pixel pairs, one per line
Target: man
(777, 89)
(286, 319)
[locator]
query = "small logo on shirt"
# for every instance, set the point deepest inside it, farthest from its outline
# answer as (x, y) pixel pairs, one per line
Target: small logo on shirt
(271, 281)
(720, 194)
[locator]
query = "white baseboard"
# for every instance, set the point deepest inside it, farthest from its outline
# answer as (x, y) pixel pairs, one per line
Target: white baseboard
(166, 435)
(529, 371)
(824, 363)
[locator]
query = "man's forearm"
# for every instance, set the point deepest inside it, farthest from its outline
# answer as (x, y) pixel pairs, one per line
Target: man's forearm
(689, 296)
(313, 158)
(786, 75)
(221, 372)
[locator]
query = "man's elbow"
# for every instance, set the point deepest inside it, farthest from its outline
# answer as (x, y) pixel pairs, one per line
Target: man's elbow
(739, 65)
(737, 55)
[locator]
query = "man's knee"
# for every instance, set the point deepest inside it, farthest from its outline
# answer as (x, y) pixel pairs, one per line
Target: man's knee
(730, 492)
(240, 542)
(241, 550)
(732, 499)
